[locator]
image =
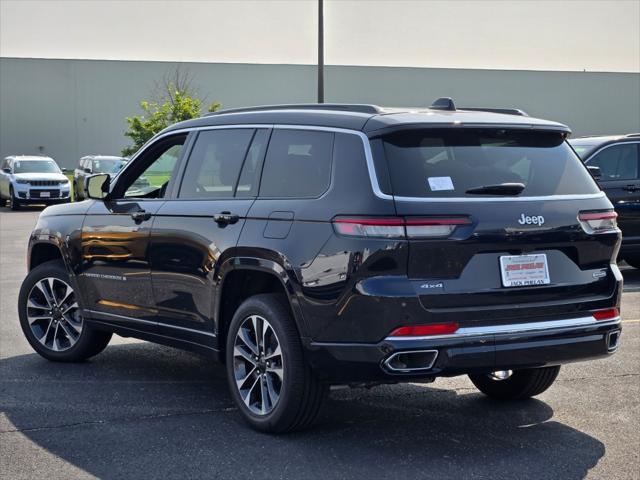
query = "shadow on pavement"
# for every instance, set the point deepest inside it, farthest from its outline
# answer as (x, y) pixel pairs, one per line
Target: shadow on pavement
(144, 411)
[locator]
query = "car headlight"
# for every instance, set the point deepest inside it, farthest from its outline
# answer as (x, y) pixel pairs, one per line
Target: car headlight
(22, 181)
(64, 182)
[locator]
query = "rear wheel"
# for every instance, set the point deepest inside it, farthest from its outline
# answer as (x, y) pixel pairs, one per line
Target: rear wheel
(633, 260)
(516, 385)
(272, 385)
(50, 317)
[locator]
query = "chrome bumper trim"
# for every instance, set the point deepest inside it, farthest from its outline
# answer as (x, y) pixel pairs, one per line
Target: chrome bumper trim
(517, 328)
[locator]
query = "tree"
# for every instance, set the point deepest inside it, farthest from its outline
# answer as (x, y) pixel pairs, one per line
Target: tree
(175, 101)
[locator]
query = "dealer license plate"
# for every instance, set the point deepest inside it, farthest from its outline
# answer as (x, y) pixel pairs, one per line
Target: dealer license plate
(45, 194)
(524, 270)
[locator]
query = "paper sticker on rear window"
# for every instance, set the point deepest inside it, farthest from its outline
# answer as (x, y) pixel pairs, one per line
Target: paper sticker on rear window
(440, 183)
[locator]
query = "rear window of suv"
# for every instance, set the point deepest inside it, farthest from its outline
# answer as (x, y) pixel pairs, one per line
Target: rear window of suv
(448, 162)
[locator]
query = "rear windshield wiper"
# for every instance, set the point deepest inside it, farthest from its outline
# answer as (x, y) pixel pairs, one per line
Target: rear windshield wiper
(499, 189)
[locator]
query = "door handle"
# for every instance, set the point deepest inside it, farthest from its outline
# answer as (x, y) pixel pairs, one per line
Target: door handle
(140, 216)
(631, 188)
(225, 218)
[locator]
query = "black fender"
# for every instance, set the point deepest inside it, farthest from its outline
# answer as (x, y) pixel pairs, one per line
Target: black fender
(284, 273)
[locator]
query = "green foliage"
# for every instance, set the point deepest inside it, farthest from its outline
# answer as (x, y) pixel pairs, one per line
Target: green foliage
(176, 104)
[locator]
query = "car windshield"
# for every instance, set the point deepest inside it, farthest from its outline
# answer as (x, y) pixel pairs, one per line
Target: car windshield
(457, 162)
(35, 166)
(107, 166)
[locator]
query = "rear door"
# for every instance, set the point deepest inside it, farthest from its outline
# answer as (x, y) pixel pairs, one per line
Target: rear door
(114, 244)
(466, 248)
(620, 180)
(194, 232)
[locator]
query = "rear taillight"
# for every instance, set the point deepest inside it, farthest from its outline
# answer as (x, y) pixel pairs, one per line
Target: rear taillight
(399, 227)
(598, 222)
(425, 330)
(606, 314)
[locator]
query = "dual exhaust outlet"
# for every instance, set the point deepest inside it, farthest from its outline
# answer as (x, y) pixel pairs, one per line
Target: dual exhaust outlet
(411, 361)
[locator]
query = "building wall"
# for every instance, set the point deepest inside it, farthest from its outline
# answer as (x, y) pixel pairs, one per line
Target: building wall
(70, 108)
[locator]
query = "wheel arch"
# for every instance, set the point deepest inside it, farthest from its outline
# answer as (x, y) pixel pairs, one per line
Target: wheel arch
(242, 277)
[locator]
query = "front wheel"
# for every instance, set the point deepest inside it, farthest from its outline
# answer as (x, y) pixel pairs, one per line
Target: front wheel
(13, 202)
(516, 385)
(270, 382)
(50, 317)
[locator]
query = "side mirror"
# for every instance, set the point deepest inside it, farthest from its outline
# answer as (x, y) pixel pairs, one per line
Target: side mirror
(64, 170)
(98, 186)
(595, 172)
(6, 170)
(87, 170)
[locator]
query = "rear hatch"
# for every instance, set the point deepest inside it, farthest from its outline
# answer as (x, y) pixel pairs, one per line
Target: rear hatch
(497, 232)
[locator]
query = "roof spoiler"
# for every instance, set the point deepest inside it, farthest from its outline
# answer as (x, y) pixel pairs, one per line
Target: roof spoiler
(446, 104)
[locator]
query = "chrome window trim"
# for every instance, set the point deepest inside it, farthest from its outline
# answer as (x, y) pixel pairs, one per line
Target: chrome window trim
(373, 178)
(515, 328)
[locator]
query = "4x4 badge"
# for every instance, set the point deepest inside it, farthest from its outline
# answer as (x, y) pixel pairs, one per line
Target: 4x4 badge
(531, 220)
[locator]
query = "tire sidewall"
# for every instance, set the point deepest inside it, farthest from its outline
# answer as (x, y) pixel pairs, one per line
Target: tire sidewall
(293, 373)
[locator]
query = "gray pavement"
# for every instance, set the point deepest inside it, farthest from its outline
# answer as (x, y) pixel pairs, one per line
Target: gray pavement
(144, 411)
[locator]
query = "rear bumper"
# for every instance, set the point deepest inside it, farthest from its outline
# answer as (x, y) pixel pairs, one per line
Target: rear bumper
(471, 350)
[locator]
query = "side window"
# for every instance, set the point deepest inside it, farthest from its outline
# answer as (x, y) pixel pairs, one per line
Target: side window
(5, 164)
(151, 173)
(298, 164)
(250, 176)
(215, 162)
(619, 162)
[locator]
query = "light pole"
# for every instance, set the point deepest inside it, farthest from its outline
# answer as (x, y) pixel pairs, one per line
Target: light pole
(320, 53)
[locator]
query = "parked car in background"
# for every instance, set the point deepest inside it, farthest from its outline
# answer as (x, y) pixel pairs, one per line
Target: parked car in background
(618, 158)
(311, 245)
(92, 164)
(32, 180)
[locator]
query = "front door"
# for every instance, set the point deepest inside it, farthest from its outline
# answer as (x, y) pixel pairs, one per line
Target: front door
(194, 232)
(115, 239)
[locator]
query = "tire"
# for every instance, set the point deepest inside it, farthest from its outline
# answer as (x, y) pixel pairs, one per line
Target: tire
(633, 260)
(300, 395)
(522, 384)
(13, 203)
(76, 194)
(60, 337)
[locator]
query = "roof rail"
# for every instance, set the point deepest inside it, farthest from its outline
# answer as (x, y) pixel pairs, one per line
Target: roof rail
(506, 111)
(340, 107)
(632, 135)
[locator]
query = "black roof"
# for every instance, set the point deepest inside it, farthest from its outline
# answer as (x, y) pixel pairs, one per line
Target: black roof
(362, 117)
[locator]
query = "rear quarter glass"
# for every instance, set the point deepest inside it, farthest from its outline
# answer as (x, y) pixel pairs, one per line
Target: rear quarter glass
(448, 162)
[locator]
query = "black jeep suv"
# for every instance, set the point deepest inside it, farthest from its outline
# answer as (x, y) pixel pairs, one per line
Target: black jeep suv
(311, 245)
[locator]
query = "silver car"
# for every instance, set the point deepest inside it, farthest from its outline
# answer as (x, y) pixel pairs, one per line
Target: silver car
(32, 179)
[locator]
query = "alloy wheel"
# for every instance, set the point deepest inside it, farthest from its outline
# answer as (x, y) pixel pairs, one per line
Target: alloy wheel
(257, 365)
(53, 314)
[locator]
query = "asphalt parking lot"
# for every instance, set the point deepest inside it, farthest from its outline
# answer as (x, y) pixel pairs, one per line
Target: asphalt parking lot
(145, 411)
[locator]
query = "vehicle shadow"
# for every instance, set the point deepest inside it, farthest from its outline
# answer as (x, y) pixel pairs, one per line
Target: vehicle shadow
(144, 411)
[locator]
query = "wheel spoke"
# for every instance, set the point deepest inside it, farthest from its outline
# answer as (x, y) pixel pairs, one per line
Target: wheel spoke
(276, 353)
(41, 286)
(240, 382)
(271, 389)
(247, 397)
(244, 338)
(257, 330)
(264, 395)
(276, 371)
(70, 307)
(32, 304)
(71, 336)
(56, 345)
(239, 351)
(67, 294)
(43, 339)
(52, 292)
(37, 318)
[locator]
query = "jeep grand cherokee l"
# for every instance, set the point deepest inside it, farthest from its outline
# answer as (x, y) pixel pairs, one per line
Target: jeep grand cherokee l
(311, 245)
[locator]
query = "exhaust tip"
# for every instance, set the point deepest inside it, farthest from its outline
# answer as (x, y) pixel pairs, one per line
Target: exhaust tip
(411, 361)
(613, 340)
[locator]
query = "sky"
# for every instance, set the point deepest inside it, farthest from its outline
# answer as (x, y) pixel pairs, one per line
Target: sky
(591, 35)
